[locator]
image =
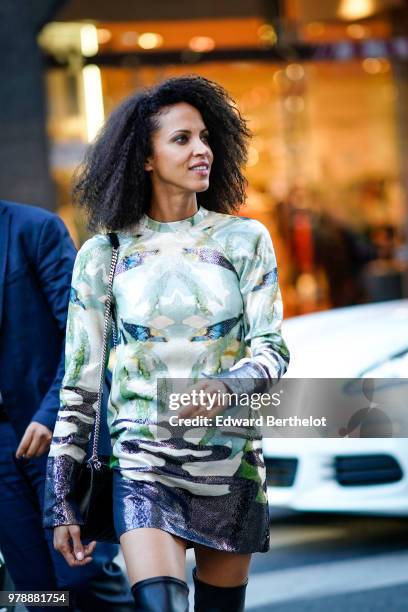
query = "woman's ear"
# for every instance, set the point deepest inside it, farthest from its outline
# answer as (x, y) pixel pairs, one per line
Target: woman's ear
(148, 165)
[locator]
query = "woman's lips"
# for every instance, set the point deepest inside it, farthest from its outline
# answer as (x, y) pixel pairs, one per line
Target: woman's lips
(202, 170)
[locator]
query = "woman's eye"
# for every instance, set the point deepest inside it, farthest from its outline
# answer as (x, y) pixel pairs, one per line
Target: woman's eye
(183, 138)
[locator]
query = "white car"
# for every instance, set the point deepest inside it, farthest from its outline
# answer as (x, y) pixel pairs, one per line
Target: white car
(357, 475)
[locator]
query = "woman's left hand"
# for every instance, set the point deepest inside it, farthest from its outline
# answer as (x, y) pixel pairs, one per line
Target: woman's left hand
(210, 391)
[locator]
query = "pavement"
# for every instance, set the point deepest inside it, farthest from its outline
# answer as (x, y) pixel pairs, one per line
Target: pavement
(326, 563)
(336, 563)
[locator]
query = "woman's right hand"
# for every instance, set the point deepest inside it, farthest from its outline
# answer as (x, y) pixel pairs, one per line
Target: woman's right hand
(67, 540)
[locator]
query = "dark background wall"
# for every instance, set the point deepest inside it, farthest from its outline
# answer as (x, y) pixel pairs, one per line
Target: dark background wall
(24, 173)
(133, 10)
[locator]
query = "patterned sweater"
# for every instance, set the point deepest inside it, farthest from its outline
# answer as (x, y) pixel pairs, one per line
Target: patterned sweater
(193, 298)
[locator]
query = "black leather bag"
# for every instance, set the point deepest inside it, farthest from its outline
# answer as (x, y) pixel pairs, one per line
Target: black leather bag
(95, 501)
(94, 486)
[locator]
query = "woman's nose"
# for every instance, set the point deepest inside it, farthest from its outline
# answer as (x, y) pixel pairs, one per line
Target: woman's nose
(200, 147)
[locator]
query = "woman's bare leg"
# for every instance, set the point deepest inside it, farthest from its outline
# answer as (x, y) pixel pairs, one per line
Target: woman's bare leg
(221, 568)
(150, 552)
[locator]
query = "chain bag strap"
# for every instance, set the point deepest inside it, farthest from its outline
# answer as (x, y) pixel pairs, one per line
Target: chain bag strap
(108, 323)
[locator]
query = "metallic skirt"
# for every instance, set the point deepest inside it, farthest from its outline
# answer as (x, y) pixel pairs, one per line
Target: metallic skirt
(233, 522)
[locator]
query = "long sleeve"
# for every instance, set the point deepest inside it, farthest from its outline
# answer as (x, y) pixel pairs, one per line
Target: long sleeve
(79, 390)
(55, 259)
(255, 262)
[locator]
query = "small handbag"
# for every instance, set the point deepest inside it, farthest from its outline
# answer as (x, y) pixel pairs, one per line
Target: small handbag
(94, 486)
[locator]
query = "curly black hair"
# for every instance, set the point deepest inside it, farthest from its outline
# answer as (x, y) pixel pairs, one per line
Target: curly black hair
(112, 185)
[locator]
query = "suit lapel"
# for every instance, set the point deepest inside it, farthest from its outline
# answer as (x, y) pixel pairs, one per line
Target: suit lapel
(4, 238)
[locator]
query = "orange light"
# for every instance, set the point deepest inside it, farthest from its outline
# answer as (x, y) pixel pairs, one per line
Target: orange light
(267, 34)
(315, 29)
(295, 72)
(281, 81)
(129, 39)
(104, 35)
(376, 65)
(279, 77)
(201, 44)
(150, 40)
(355, 9)
(356, 30)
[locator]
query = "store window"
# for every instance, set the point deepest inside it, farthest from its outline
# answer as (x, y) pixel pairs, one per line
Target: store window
(323, 166)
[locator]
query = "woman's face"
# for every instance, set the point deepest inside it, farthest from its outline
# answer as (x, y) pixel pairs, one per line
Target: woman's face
(181, 159)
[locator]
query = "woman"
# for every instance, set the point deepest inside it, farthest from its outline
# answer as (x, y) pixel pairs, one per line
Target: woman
(196, 297)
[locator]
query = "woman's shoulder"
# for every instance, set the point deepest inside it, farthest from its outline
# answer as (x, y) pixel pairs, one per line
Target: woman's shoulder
(94, 244)
(94, 251)
(236, 230)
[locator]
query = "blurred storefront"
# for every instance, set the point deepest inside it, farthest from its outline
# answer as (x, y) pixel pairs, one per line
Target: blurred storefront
(321, 94)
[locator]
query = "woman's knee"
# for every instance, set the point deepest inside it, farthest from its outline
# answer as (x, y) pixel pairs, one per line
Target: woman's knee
(150, 552)
(221, 568)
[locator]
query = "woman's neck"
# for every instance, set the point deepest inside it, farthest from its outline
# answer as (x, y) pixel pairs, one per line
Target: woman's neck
(174, 208)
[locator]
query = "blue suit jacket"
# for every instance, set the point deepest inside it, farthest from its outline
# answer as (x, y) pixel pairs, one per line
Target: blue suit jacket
(36, 261)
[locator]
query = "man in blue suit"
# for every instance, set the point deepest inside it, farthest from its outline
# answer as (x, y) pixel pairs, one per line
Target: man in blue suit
(36, 260)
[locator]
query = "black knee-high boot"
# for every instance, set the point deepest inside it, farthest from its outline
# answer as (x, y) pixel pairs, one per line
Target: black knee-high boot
(210, 598)
(161, 594)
